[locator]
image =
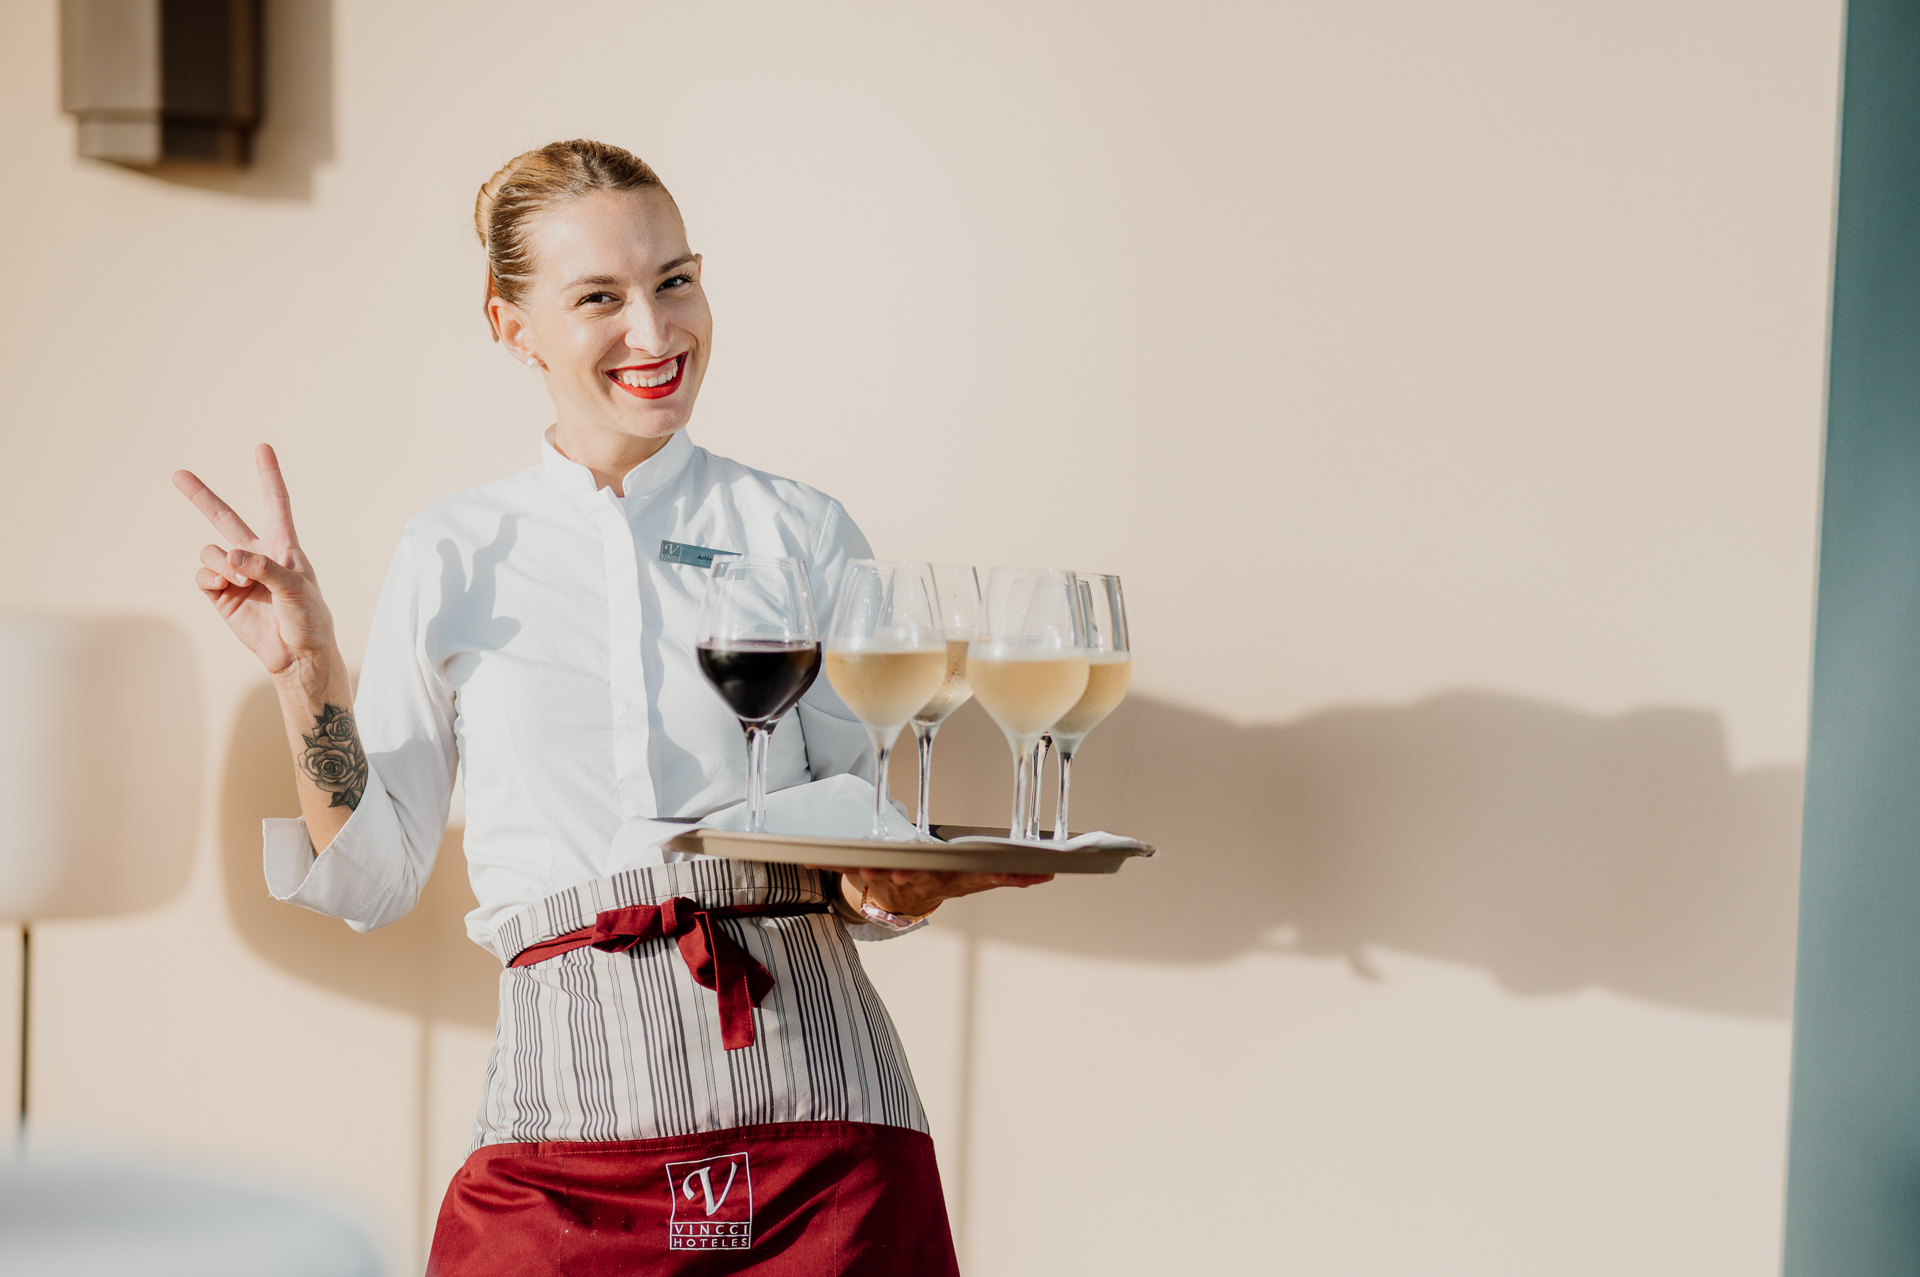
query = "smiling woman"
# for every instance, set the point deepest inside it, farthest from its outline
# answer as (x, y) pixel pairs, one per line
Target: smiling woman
(618, 1131)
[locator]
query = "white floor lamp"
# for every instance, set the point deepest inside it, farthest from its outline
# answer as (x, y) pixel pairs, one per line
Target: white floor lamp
(100, 756)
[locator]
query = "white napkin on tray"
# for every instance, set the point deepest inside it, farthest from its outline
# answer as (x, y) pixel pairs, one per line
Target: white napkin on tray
(1099, 840)
(837, 807)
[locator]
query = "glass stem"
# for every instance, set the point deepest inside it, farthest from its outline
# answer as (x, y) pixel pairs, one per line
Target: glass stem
(1060, 806)
(882, 753)
(1022, 787)
(757, 734)
(923, 737)
(1032, 825)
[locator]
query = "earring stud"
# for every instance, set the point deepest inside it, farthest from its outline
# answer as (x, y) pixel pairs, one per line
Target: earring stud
(532, 362)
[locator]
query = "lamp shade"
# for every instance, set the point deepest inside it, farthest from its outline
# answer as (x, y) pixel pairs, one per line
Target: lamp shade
(100, 758)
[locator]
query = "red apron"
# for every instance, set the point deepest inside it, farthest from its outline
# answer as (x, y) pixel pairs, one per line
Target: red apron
(803, 1198)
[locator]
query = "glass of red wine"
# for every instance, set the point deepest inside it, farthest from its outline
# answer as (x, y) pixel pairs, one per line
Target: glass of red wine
(759, 646)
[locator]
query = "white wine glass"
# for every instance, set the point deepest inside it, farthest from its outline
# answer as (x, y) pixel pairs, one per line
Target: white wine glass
(886, 656)
(1103, 617)
(759, 645)
(956, 600)
(1028, 666)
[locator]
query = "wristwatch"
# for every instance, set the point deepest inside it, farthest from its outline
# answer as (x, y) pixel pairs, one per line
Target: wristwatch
(868, 911)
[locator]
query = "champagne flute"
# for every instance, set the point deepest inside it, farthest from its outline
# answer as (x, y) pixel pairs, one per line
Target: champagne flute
(1103, 611)
(759, 646)
(1028, 666)
(956, 598)
(886, 656)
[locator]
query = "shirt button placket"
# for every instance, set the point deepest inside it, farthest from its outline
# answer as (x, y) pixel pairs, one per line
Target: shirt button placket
(637, 797)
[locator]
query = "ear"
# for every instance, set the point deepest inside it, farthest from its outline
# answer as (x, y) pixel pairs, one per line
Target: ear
(511, 329)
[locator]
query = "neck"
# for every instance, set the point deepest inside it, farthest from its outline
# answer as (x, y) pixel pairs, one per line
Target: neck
(608, 453)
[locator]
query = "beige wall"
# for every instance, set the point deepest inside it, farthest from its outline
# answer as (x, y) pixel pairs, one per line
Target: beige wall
(1445, 381)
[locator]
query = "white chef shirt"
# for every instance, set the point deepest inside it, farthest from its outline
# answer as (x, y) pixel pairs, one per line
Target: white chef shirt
(530, 632)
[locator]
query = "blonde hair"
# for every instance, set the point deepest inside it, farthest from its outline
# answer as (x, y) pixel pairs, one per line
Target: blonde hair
(530, 184)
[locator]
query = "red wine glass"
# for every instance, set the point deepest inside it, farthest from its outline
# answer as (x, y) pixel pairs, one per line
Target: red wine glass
(759, 645)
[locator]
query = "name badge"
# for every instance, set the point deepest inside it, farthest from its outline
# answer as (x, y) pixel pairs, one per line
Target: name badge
(693, 556)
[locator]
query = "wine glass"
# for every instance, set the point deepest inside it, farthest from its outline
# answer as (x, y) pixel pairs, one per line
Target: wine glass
(759, 646)
(886, 656)
(956, 600)
(1103, 612)
(1028, 665)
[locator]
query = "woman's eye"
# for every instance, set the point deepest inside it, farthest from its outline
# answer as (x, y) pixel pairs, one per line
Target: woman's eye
(677, 281)
(594, 299)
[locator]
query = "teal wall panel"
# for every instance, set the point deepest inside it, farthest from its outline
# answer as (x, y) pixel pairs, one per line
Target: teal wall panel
(1853, 1182)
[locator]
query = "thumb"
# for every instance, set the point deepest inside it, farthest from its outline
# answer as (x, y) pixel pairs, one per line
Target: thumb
(260, 568)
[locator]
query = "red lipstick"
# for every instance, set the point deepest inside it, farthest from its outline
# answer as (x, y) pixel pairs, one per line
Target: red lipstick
(660, 391)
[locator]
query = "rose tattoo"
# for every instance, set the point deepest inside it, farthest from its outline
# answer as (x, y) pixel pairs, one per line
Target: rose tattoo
(333, 760)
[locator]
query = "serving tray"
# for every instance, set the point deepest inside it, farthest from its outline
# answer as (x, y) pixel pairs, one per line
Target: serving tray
(1000, 856)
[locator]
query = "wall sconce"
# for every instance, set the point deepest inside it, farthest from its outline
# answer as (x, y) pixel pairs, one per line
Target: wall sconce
(153, 80)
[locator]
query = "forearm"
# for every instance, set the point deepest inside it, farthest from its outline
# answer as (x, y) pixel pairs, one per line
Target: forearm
(330, 766)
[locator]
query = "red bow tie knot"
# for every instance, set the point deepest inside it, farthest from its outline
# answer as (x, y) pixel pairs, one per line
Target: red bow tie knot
(716, 962)
(711, 955)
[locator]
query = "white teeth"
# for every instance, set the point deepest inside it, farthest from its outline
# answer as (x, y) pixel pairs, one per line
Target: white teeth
(657, 377)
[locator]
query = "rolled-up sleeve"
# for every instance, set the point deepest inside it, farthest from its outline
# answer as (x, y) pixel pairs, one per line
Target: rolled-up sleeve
(372, 872)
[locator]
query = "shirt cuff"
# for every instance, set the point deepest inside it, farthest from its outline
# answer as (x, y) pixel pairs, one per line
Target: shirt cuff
(354, 877)
(873, 931)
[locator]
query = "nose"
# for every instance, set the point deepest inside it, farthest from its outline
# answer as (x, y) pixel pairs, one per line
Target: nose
(647, 329)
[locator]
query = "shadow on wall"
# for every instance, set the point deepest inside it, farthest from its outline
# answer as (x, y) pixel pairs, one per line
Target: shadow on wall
(296, 121)
(1554, 849)
(423, 964)
(1557, 850)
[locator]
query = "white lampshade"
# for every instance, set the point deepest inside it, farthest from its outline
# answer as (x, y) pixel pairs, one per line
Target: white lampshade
(100, 760)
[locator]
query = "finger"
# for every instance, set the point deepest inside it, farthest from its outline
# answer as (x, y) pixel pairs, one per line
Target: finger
(218, 512)
(260, 568)
(211, 583)
(1015, 880)
(273, 486)
(216, 560)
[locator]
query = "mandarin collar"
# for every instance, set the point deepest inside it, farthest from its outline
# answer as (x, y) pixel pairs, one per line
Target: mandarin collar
(639, 483)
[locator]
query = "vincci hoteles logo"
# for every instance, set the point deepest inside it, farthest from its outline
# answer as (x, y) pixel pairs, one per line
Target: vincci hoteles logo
(712, 1204)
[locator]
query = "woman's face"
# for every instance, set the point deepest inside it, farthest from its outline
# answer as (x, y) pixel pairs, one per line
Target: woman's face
(616, 315)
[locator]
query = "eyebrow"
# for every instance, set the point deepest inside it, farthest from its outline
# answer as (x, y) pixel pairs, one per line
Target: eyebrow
(608, 281)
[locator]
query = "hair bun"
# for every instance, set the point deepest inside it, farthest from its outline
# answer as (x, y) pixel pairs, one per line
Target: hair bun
(532, 183)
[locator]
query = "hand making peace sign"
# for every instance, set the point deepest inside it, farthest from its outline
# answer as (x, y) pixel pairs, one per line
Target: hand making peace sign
(265, 586)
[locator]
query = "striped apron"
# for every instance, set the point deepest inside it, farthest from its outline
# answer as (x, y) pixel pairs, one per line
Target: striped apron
(617, 1129)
